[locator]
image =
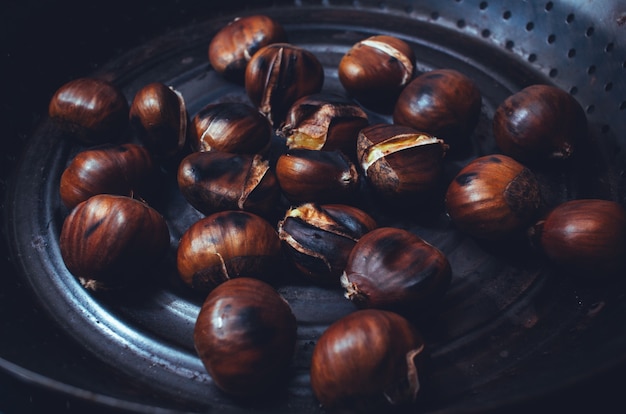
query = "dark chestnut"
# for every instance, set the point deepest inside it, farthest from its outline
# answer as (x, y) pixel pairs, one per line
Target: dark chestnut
(214, 181)
(159, 117)
(375, 70)
(125, 169)
(324, 121)
(442, 102)
(90, 110)
(245, 335)
(586, 238)
(306, 175)
(278, 75)
(493, 197)
(368, 361)
(394, 269)
(539, 123)
(400, 162)
(230, 127)
(233, 46)
(319, 238)
(226, 245)
(111, 241)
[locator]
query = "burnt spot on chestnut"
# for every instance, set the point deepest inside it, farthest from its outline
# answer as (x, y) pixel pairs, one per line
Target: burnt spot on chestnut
(464, 179)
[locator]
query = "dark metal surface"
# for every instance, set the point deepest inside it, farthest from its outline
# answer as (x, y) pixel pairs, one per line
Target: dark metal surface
(512, 332)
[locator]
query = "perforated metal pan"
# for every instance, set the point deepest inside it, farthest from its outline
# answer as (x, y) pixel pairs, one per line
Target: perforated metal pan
(513, 332)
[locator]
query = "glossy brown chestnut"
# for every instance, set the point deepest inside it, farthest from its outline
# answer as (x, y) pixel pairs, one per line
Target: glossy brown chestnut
(111, 241)
(493, 197)
(233, 46)
(159, 117)
(399, 161)
(442, 102)
(586, 238)
(319, 238)
(316, 176)
(368, 361)
(226, 245)
(125, 169)
(539, 123)
(230, 127)
(90, 110)
(215, 181)
(375, 70)
(394, 269)
(324, 121)
(278, 75)
(245, 335)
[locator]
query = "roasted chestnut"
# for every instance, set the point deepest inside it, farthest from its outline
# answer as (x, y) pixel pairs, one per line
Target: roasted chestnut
(306, 175)
(324, 121)
(586, 238)
(125, 169)
(375, 70)
(398, 161)
(111, 241)
(233, 46)
(90, 110)
(442, 102)
(230, 127)
(215, 181)
(226, 245)
(394, 269)
(319, 238)
(539, 123)
(245, 335)
(368, 361)
(159, 117)
(493, 197)
(278, 75)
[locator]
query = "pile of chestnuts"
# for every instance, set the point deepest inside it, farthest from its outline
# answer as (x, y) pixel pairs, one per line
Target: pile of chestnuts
(305, 213)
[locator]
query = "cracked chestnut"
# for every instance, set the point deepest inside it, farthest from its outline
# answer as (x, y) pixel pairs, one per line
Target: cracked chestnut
(111, 241)
(230, 127)
(368, 361)
(394, 269)
(227, 245)
(493, 197)
(90, 110)
(319, 238)
(214, 181)
(233, 46)
(585, 237)
(245, 335)
(539, 123)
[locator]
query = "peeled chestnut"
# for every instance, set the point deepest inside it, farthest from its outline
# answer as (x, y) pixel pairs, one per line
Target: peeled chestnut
(399, 161)
(324, 121)
(245, 335)
(90, 110)
(125, 169)
(278, 75)
(226, 245)
(539, 123)
(159, 116)
(319, 238)
(368, 361)
(230, 127)
(493, 197)
(306, 175)
(111, 241)
(233, 46)
(441, 102)
(214, 181)
(394, 269)
(375, 70)
(586, 238)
